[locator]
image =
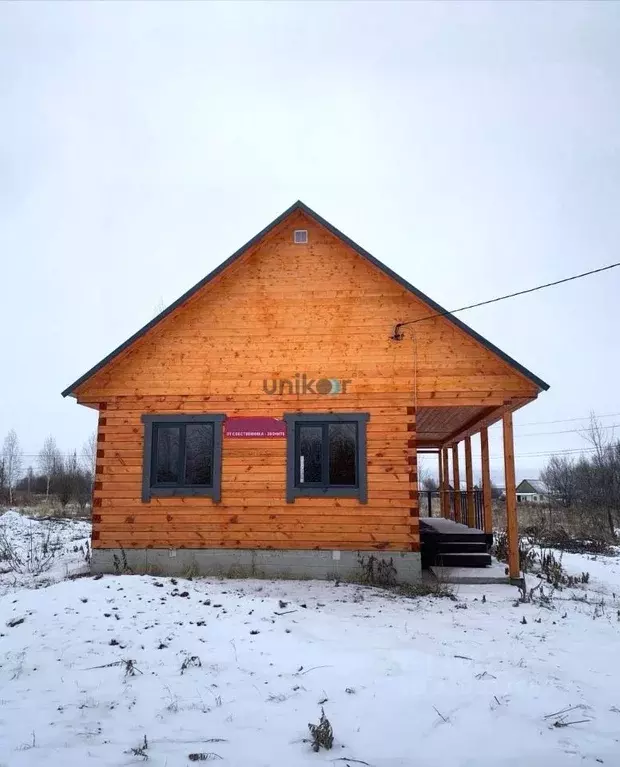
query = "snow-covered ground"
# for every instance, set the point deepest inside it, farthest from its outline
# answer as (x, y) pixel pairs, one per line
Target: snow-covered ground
(404, 682)
(49, 550)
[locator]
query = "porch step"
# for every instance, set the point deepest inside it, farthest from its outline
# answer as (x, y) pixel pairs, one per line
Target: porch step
(476, 536)
(496, 573)
(462, 547)
(452, 544)
(463, 559)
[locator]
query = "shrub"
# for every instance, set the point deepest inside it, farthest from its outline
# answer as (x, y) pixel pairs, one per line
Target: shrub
(322, 733)
(377, 572)
(37, 554)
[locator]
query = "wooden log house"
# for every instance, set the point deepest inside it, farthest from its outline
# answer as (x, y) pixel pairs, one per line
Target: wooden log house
(269, 420)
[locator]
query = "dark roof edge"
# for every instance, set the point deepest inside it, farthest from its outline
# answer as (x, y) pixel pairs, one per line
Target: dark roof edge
(357, 248)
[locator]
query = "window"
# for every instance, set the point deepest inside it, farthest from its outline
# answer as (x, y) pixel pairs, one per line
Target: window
(300, 236)
(182, 455)
(326, 455)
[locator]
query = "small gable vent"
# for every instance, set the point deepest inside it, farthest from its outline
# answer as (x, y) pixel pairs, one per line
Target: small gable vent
(300, 236)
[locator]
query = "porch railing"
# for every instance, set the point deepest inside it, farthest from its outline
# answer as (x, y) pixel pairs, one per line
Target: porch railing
(429, 504)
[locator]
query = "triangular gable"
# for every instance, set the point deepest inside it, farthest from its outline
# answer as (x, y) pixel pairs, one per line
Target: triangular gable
(300, 206)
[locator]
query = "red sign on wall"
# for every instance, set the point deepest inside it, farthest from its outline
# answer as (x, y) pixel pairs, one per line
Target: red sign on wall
(260, 427)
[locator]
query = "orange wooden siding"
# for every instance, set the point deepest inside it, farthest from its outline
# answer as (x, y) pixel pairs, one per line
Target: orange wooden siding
(253, 512)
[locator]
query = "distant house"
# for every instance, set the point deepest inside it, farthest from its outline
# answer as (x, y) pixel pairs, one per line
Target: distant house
(532, 491)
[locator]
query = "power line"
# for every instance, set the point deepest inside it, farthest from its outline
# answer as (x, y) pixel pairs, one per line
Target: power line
(561, 420)
(567, 420)
(531, 423)
(564, 431)
(544, 453)
(559, 452)
(400, 325)
(495, 425)
(60, 455)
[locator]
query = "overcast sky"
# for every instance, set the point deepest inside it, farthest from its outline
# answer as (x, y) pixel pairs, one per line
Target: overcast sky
(474, 148)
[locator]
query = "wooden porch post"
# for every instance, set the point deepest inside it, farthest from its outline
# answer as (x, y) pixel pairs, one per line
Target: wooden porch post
(440, 472)
(456, 481)
(487, 501)
(469, 476)
(446, 483)
(512, 526)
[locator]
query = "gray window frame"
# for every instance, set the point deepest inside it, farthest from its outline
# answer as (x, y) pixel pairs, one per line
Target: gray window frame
(293, 490)
(215, 490)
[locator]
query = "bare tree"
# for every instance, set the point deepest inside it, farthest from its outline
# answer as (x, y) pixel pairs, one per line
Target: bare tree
(560, 478)
(50, 461)
(590, 486)
(426, 481)
(30, 479)
(159, 307)
(496, 491)
(12, 458)
(89, 453)
(606, 465)
(598, 436)
(64, 480)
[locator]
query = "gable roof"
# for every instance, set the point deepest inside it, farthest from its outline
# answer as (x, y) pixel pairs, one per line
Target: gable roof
(300, 206)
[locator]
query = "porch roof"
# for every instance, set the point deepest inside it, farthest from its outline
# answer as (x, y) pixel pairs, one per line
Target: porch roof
(439, 426)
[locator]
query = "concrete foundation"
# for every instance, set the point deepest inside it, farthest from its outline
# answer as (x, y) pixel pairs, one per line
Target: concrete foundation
(253, 563)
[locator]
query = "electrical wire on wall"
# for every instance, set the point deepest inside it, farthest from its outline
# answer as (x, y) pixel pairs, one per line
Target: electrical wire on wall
(415, 376)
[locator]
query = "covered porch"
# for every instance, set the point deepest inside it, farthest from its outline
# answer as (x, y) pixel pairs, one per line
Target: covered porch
(459, 531)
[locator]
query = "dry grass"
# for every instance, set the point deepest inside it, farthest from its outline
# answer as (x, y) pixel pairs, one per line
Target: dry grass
(38, 507)
(558, 526)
